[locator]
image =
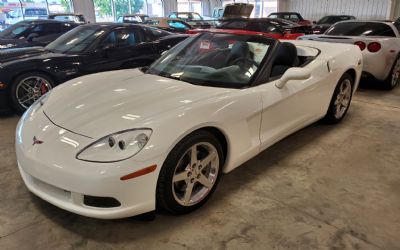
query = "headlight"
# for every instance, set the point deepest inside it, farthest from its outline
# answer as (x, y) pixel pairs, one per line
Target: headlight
(116, 147)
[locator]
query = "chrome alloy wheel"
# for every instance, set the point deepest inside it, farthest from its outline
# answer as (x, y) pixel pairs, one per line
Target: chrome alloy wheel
(343, 98)
(29, 89)
(195, 174)
(395, 73)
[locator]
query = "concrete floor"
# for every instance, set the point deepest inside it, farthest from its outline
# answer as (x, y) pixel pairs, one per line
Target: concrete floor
(325, 187)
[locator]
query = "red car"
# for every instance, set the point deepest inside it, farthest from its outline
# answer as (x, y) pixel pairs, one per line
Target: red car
(262, 26)
(291, 16)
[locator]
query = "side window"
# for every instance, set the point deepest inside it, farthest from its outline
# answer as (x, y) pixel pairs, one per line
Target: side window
(52, 28)
(39, 29)
(177, 25)
(173, 15)
(273, 16)
(122, 38)
(294, 17)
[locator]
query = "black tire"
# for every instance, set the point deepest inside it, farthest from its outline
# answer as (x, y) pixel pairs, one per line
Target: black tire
(17, 106)
(331, 117)
(391, 83)
(165, 195)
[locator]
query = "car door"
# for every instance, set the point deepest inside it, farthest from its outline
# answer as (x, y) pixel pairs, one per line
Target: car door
(290, 108)
(48, 33)
(119, 46)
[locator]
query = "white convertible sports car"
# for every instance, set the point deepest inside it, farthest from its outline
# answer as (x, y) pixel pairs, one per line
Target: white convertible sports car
(378, 41)
(122, 143)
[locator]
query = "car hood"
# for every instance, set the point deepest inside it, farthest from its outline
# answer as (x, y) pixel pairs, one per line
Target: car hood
(7, 55)
(104, 103)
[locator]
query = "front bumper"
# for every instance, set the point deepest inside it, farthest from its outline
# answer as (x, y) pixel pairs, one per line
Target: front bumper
(51, 171)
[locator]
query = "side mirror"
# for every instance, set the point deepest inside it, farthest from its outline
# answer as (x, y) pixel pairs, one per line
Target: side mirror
(293, 74)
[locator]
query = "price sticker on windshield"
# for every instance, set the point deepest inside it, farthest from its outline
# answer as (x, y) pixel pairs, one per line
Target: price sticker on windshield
(204, 45)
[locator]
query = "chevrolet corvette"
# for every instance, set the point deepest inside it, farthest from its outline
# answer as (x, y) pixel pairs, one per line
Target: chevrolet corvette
(28, 73)
(162, 136)
(379, 43)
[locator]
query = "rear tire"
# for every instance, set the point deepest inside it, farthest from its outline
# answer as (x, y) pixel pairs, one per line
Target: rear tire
(190, 174)
(341, 100)
(27, 88)
(394, 77)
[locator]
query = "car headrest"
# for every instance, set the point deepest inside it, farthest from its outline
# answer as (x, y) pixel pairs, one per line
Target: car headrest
(287, 55)
(240, 49)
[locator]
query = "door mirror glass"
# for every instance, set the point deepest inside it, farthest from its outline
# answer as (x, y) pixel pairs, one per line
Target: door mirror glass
(293, 74)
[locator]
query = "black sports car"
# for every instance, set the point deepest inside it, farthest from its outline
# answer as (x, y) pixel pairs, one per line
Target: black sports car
(27, 74)
(327, 21)
(33, 33)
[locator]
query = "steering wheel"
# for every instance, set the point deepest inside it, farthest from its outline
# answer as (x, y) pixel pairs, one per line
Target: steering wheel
(245, 59)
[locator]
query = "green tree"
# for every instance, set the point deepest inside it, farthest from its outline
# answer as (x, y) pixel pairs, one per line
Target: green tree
(121, 6)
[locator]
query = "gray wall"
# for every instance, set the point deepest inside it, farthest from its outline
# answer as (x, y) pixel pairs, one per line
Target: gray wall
(362, 9)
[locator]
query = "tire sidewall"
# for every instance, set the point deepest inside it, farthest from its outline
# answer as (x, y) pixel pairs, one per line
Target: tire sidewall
(330, 116)
(164, 195)
(12, 93)
(388, 81)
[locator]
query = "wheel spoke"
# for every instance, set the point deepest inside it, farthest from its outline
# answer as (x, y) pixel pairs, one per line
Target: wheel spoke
(346, 89)
(205, 181)
(188, 192)
(338, 109)
(180, 177)
(25, 99)
(208, 159)
(193, 155)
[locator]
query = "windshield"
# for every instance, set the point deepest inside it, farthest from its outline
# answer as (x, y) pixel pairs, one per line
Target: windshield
(17, 31)
(360, 29)
(77, 40)
(215, 59)
(333, 19)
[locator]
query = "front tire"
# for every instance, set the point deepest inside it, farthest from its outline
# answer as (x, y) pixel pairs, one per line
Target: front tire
(341, 100)
(27, 88)
(394, 77)
(190, 173)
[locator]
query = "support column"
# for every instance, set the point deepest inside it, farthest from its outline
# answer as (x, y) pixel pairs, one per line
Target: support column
(85, 7)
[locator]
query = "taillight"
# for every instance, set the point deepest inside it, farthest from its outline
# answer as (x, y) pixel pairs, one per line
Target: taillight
(374, 47)
(361, 45)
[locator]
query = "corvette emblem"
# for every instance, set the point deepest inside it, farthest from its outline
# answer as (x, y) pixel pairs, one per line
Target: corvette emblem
(36, 141)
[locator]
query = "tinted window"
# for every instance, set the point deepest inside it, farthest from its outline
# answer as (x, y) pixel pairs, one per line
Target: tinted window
(333, 19)
(273, 16)
(360, 29)
(17, 31)
(154, 33)
(177, 25)
(77, 40)
(121, 38)
(52, 28)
